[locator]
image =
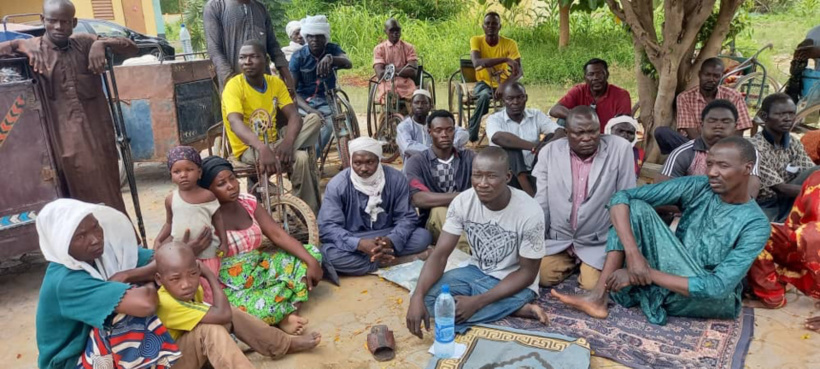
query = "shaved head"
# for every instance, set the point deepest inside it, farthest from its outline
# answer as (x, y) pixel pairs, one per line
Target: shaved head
(515, 86)
(57, 5)
(494, 158)
(173, 256)
(582, 111)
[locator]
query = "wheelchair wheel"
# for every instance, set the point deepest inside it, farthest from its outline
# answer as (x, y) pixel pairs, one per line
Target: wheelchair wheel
(388, 130)
(372, 113)
(296, 217)
(350, 116)
(755, 88)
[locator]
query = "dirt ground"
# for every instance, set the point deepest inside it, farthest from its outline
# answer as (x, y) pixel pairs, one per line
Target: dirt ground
(344, 315)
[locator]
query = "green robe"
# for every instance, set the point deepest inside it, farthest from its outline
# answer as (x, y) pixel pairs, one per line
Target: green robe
(714, 245)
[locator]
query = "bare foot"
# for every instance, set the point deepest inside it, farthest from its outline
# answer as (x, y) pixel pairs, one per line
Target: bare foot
(406, 259)
(305, 342)
(813, 324)
(532, 311)
(293, 324)
(590, 303)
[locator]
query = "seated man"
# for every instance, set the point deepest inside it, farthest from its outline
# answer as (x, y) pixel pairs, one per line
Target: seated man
(784, 163)
(312, 69)
(606, 99)
(412, 134)
(366, 221)
(395, 51)
(294, 32)
(792, 255)
(505, 229)
(697, 270)
(203, 331)
(626, 127)
(439, 174)
(587, 168)
(252, 90)
(497, 62)
(690, 104)
(518, 129)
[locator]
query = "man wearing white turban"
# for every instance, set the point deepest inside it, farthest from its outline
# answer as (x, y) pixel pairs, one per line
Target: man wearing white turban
(294, 31)
(312, 70)
(366, 220)
(627, 127)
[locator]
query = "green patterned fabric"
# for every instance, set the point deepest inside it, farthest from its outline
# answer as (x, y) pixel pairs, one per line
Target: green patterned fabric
(266, 284)
(714, 245)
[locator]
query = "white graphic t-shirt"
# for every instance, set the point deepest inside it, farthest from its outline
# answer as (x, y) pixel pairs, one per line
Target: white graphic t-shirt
(498, 238)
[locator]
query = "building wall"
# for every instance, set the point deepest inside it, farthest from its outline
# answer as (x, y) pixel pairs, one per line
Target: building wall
(84, 10)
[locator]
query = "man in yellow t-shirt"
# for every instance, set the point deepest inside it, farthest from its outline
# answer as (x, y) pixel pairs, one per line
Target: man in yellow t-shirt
(496, 59)
(252, 90)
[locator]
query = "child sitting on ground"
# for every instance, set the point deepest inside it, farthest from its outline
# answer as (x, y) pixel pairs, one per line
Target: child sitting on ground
(192, 208)
(202, 331)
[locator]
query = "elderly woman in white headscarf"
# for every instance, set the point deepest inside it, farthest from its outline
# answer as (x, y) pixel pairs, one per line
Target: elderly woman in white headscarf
(627, 127)
(92, 309)
(294, 31)
(312, 69)
(366, 220)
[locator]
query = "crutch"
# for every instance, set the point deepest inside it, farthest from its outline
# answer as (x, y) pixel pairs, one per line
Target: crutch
(110, 84)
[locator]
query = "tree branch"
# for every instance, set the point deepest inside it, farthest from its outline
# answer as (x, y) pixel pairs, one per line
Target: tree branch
(712, 47)
(649, 40)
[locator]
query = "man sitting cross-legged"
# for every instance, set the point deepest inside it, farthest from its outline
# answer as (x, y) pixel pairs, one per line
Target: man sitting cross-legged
(412, 134)
(505, 229)
(202, 331)
(366, 220)
(252, 90)
(518, 129)
(587, 168)
(697, 270)
(439, 174)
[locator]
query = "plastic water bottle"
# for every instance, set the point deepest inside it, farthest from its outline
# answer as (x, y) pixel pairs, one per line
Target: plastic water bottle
(445, 311)
(185, 38)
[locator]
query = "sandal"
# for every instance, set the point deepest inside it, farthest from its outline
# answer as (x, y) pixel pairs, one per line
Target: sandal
(381, 343)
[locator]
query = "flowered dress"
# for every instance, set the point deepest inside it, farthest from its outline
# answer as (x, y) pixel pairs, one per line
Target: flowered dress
(264, 284)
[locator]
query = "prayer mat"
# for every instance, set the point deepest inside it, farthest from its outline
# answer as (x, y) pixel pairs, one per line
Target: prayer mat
(628, 338)
(494, 347)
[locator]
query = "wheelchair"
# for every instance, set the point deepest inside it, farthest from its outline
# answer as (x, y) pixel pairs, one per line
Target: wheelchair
(345, 125)
(460, 99)
(383, 117)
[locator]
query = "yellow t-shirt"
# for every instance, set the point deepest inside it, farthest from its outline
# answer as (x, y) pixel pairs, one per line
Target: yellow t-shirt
(240, 97)
(180, 316)
(506, 48)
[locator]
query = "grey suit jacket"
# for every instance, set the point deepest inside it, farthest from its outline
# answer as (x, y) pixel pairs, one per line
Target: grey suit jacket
(613, 169)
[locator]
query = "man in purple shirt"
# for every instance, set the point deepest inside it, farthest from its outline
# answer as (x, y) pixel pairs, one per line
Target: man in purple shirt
(575, 205)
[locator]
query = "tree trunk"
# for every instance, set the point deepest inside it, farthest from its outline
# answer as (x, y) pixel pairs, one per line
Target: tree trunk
(647, 91)
(563, 35)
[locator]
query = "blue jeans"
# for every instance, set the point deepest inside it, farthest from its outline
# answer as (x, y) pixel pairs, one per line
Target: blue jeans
(471, 281)
(326, 131)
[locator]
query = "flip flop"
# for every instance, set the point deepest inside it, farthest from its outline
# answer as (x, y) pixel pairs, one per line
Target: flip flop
(381, 343)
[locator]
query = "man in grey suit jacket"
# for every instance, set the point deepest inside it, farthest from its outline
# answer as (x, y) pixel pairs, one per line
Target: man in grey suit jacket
(576, 177)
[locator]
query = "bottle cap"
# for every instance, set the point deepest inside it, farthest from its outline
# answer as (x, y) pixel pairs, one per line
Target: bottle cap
(445, 288)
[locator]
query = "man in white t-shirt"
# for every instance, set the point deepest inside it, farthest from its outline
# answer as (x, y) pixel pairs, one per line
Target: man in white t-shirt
(518, 129)
(505, 230)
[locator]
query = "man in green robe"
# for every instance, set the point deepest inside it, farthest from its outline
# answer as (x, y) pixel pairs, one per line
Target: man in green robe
(696, 270)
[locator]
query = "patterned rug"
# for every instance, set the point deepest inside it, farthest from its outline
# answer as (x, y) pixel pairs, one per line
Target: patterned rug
(627, 338)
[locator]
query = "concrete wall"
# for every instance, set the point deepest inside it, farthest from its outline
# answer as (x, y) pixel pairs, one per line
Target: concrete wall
(84, 10)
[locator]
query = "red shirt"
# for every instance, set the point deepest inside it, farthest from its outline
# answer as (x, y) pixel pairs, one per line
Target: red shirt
(614, 101)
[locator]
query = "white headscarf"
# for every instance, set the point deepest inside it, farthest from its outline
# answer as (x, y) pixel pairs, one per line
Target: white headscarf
(58, 221)
(292, 26)
(371, 186)
(622, 119)
(316, 25)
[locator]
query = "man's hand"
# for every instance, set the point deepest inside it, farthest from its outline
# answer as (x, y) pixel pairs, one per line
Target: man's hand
(386, 252)
(284, 153)
(267, 161)
(96, 57)
(35, 57)
(416, 316)
(324, 66)
(368, 246)
(638, 270)
(314, 274)
(466, 306)
(538, 147)
(515, 69)
(618, 280)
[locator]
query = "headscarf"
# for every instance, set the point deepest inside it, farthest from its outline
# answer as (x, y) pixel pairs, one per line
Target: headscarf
(316, 25)
(211, 167)
(622, 119)
(183, 153)
(373, 185)
(292, 26)
(60, 218)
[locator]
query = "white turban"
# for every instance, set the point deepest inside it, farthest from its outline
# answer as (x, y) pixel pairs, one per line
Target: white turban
(60, 218)
(316, 25)
(371, 186)
(622, 119)
(292, 26)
